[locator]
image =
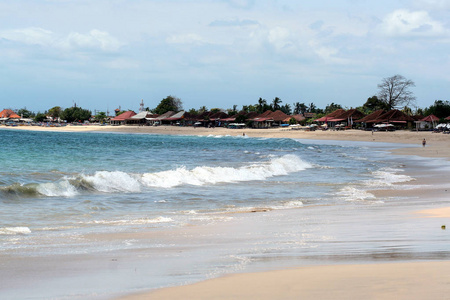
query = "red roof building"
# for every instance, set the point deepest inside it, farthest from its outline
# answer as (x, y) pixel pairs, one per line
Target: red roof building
(330, 116)
(121, 119)
(8, 114)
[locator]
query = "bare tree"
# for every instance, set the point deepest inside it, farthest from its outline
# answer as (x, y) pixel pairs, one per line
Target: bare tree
(394, 91)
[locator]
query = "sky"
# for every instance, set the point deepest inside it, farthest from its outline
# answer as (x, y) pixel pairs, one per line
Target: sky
(106, 54)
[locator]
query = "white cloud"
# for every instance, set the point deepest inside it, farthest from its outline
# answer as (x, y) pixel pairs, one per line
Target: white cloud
(94, 40)
(29, 36)
(411, 23)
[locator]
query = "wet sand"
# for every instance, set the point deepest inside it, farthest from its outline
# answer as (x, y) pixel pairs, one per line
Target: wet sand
(406, 280)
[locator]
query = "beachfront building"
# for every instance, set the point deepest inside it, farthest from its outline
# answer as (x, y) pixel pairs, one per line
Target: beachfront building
(340, 118)
(139, 119)
(157, 120)
(7, 115)
(395, 117)
(368, 121)
(269, 119)
(427, 123)
(122, 118)
(174, 119)
(298, 118)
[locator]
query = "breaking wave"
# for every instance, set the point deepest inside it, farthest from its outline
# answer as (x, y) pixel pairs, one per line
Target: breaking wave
(14, 230)
(122, 182)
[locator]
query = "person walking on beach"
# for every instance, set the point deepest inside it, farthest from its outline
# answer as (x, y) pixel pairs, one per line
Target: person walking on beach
(424, 142)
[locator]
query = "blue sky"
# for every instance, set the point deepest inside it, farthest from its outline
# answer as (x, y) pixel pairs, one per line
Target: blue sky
(104, 54)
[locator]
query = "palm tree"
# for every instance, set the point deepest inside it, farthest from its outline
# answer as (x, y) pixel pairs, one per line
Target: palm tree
(276, 103)
(300, 108)
(312, 107)
(262, 103)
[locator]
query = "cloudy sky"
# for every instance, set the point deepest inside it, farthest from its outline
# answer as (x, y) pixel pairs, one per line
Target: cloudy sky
(104, 54)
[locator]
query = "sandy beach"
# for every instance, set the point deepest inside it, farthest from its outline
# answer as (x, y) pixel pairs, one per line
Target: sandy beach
(404, 280)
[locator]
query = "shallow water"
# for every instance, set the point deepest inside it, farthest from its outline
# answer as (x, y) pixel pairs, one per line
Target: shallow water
(126, 212)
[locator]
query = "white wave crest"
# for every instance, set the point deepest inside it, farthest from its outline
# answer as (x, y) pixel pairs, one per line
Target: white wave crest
(14, 230)
(213, 175)
(388, 177)
(353, 194)
(117, 181)
(54, 189)
(142, 221)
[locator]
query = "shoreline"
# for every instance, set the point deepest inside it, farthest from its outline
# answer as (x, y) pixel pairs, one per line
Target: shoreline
(437, 143)
(341, 281)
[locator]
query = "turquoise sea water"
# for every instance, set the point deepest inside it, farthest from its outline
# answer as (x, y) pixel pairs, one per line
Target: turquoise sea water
(87, 194)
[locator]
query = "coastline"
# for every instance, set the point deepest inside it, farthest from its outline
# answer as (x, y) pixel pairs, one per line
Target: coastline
(437, 143)
(406, 280)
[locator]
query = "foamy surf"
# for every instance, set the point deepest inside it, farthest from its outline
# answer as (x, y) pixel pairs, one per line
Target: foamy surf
(213, 175)
(123, 182)
(14, 230)
(388, 177)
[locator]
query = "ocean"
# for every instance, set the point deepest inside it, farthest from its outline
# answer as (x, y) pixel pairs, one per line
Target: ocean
(97, 215)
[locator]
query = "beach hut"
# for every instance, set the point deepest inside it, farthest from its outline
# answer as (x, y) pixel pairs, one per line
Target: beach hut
(429, 122)
(348, 117)
(330, 116)
(263, 120)
(122, 118)
(396, 117)
(140, 118)
(174, 119)
(9, 115)
(298, 118)
(158, 119)
(368, 121)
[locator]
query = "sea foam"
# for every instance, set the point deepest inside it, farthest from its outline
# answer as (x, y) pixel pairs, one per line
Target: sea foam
(212, 175)
(123, 182)
(14, 230)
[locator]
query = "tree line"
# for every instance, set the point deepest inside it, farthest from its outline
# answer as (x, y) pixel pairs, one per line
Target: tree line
(393, 92)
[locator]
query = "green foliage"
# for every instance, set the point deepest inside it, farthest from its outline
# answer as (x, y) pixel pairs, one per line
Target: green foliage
(193, 112)
(372, 104)
(332, 107)
(249, 108)
(440, 109)
(241, 119)
(72, 114)
(25, 113)
(170, 103)
(286, 109)
(300, 108)
(40, 117)
(262, 106)
(101, 116)
(215, 110)
(276, 102)
(292, 121)
(55, 112)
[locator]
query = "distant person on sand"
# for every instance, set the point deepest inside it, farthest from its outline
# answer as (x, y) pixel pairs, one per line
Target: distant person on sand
(424, 142)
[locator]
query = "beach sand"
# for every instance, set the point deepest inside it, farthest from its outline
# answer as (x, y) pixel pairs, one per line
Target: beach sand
(415, 280)
(405, 280)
